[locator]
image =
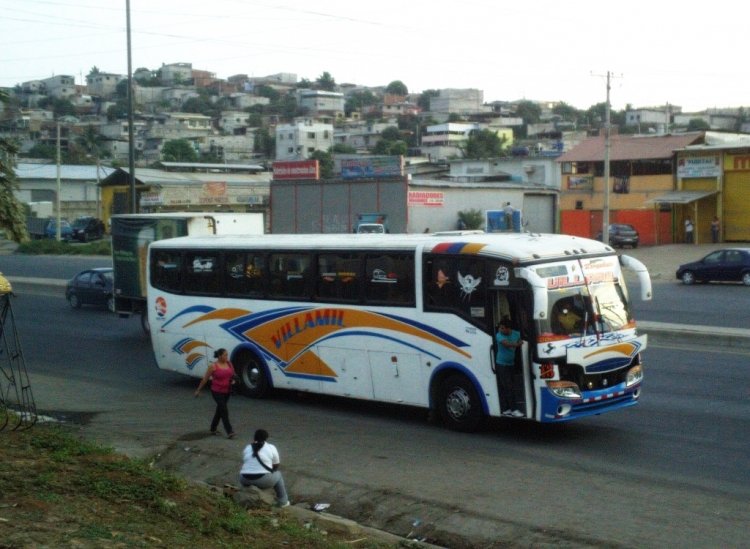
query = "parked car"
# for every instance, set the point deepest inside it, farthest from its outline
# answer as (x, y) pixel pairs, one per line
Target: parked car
(621, 234)
(91, 287)
(726, 265)
(66, 231)
(87, 228)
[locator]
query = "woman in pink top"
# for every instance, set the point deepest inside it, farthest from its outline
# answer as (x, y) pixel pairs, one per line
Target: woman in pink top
(221, 374)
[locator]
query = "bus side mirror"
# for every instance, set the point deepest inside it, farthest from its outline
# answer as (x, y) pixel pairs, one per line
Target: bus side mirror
(642, 272)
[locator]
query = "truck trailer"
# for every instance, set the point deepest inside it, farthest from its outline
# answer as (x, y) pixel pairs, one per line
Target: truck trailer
(132, 234)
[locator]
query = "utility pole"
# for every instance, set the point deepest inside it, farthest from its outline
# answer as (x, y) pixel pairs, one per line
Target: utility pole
(131, 144)
(58, 233)
(605, 210)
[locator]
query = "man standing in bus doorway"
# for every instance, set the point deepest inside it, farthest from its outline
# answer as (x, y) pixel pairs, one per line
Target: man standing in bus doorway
(508, 340)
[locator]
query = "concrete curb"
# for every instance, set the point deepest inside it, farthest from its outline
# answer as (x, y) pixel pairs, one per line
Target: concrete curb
(716, 336)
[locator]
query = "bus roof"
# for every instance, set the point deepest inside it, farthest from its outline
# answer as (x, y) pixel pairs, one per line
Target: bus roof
(518, 247)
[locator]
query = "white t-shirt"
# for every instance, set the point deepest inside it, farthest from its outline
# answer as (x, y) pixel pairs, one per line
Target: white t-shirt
(268, 454)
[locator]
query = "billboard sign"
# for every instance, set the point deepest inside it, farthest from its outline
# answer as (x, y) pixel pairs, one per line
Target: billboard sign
(372, 167)
(296, 169)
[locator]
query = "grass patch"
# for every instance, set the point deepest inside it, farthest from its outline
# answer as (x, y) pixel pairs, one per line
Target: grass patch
(59, 491)
(53, 247)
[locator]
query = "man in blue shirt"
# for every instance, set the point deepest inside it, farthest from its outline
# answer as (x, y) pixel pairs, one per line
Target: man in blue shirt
(508, 340)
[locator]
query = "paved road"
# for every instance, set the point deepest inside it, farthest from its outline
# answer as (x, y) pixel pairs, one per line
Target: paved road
(670, 472)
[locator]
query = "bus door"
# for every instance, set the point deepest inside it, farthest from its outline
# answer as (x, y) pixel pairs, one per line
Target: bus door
(511, 304)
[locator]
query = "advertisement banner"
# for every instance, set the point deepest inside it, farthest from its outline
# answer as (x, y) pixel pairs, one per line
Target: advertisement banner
(296, 169)
(698, 166)
(372, 167)
(580, 182)
(426, 198)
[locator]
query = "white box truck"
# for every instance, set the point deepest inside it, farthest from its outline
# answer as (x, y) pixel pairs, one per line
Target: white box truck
(132, 233)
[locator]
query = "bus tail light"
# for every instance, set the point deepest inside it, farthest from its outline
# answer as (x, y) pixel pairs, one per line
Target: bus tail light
(564, 389)
(635, 375)
(547, 370)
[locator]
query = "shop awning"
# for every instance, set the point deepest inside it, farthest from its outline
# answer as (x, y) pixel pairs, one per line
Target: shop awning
(681, 197)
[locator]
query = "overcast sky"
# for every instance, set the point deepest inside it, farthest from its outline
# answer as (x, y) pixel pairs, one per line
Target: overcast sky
(691, 54)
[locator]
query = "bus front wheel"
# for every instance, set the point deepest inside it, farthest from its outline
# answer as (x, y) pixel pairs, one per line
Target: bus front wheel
(459, 404)
(252, 376)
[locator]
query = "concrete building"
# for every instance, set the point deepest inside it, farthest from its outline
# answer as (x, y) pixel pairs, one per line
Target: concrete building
(299, 140)
(458, 101)
(61, 86)
(361, 135)
(321, 103)
(176, 73)
(79, 191)
(103, 84)
(642, 173)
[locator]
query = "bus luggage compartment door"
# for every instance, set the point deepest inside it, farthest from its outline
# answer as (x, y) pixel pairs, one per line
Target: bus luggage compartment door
(397, 377)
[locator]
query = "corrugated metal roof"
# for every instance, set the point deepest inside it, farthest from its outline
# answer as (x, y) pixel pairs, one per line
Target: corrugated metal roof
(681, 197)
(67, 171)
(150, 176)
(628, 147)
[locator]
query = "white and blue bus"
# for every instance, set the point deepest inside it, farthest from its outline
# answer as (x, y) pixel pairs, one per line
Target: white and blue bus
(407, 319)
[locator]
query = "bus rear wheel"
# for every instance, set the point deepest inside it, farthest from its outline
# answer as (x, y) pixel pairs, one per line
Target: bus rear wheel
(252, 376)
(459, 404)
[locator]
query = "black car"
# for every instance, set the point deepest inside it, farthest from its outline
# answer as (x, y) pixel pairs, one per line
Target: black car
(621, 234)
(87, 228)
(91, 287)
(726, 265)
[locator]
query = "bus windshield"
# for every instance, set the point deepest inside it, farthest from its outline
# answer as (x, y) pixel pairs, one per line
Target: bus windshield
(600, 308)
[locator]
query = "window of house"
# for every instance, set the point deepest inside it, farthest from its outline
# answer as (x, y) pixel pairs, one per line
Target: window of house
(311, 135)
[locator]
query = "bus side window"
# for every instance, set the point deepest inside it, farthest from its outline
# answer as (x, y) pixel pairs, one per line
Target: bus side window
(202, 273)
(338, 277)
(441, 290)
(244, 273)
(290, 275)
(165, 271)
(389, 279)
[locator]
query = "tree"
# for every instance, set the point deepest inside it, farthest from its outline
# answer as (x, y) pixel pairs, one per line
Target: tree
(566, 112)
(12, 214)
(178, 150)
(697, 124)
(397, 88)
(58, 105)
(265, 90)
(483, 144)
(424, 99)
(358, 100)
(264, 143)
(391, 142)
(326, 82)
(472, 219)
(325, 161)
(343, 148)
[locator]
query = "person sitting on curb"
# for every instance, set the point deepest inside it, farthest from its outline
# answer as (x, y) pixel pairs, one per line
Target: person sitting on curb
(260, 467)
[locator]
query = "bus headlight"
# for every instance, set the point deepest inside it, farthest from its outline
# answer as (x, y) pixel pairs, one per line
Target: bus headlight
(564, 389)
(635, 375)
